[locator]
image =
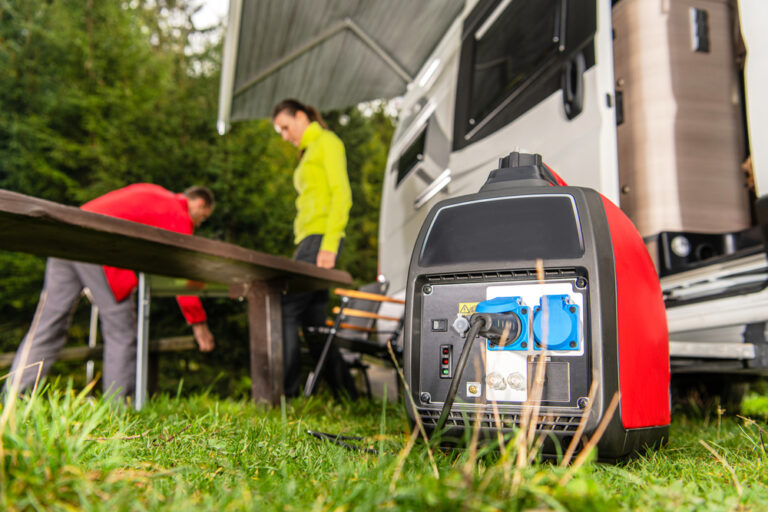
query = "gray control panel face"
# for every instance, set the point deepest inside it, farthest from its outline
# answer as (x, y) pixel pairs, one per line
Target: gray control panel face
(550, 326)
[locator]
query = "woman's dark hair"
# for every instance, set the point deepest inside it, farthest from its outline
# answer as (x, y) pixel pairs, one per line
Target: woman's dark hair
(292, 106)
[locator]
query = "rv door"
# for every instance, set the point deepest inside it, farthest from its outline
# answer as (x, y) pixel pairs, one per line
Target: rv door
(537, 75)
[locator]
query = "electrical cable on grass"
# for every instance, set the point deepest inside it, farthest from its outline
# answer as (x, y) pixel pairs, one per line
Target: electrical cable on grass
(339, 440)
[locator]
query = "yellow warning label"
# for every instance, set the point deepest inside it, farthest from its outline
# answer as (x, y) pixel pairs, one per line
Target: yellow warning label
(467, 308)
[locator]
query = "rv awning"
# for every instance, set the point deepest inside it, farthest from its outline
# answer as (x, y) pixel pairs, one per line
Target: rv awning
(328, 53)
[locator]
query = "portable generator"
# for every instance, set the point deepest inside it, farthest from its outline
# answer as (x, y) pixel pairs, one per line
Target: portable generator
(479, 315)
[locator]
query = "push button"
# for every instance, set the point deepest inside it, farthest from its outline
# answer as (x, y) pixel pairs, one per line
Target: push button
(439, 325)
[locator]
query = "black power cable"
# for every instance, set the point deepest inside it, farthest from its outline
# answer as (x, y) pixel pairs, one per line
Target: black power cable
(477, 322)
(340, 440)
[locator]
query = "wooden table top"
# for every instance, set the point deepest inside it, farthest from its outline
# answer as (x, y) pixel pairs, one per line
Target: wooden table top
(37, 226)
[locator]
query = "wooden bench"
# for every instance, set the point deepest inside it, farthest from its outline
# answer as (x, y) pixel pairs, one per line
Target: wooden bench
(32, 225)
(173, 344)
(88, 354)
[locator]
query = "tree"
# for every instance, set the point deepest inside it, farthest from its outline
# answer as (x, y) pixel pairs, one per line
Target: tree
(366, 139)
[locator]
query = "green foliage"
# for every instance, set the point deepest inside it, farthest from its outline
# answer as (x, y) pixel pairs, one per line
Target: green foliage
(96, 95)
(80, 89)
(367, 142)
(755, 405)
(253, 169)
(65, 451)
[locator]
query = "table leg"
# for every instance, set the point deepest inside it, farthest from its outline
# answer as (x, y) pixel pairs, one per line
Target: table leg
(265, 325)
(142, 342)
(93, 334)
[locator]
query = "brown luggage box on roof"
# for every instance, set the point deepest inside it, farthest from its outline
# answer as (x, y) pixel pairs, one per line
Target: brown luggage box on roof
(680, 144)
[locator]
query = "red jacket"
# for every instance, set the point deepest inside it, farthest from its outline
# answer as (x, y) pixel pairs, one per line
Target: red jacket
(153, 205)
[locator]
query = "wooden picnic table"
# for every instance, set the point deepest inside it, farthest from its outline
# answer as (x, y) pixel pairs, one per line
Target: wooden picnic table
(45, 228)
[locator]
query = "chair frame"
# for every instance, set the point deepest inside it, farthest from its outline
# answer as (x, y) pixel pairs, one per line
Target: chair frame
(342, 310)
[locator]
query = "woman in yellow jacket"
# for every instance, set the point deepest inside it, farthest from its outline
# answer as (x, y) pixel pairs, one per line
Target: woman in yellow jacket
(323, 203)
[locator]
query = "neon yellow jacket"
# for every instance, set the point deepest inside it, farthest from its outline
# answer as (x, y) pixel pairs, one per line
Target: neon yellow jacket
(323, 186)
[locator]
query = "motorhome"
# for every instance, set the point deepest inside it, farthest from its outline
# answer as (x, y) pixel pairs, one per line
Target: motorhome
(656, 104)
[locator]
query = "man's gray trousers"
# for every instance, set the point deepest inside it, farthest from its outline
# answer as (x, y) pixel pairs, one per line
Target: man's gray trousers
(64, 283)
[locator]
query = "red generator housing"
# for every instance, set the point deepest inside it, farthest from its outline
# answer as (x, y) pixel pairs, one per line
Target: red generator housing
(565, 276)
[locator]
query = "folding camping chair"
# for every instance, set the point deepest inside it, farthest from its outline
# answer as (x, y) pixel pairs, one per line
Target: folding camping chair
(355, 328)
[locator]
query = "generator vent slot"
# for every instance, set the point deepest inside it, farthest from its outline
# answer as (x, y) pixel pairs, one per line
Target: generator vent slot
(502, 275)
(546, 423)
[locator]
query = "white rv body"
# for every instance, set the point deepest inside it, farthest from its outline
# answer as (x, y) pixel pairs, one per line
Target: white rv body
(583, 151)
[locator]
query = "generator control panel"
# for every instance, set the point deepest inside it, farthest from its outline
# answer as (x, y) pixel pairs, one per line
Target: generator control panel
(530, 320)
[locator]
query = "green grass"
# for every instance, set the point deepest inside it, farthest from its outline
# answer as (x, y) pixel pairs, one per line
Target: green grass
(755, 405)
(64, 451)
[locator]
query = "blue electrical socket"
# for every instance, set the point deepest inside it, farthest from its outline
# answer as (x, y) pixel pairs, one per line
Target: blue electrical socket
(509, 305)
(563, 323)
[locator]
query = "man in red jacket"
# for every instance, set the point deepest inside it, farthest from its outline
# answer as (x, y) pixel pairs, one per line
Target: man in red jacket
(111, 288)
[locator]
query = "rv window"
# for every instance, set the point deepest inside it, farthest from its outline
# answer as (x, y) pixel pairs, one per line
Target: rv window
(518, 42)
(412, 156)
(512, 56)
(408, 116)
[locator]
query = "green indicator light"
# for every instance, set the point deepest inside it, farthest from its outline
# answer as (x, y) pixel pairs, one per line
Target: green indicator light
(445, 371)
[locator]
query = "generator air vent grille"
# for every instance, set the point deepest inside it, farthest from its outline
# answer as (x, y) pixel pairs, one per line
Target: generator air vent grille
(503, 275)
(546, 423)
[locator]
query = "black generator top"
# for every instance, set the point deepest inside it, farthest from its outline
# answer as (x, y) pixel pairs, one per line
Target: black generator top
(519, 170)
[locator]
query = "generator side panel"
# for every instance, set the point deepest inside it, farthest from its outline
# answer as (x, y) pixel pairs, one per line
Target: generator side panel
(642, 328)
